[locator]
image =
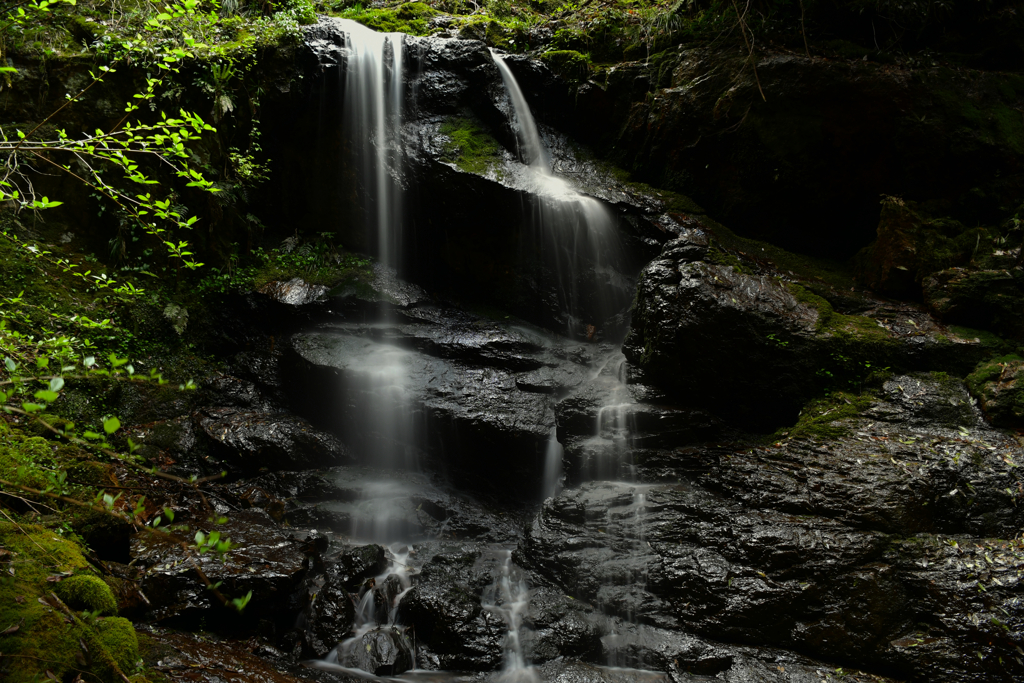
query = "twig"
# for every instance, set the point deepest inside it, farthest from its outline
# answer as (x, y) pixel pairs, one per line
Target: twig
(749, 42)
(803, 29)
(26, 534)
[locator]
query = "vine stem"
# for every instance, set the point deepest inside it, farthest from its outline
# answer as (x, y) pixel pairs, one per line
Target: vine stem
(741, 18)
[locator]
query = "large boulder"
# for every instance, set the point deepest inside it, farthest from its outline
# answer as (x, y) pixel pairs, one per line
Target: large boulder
(752, 344)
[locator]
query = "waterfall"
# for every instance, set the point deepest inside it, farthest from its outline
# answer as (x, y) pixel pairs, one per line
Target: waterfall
(531, 149)
(373, 120)
(577, 231)
(378, 645)
(609, 449)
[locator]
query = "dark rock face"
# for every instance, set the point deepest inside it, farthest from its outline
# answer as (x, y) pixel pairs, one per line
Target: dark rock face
(978, 298)
(701, 329)
(862, 548)
(827, 140)
(252, 440)
(266, 561)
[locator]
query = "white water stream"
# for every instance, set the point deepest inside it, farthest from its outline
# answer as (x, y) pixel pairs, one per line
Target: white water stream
(573, 225)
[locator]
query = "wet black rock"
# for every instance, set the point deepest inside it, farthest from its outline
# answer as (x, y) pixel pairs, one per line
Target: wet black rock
(561, 626)
(251, 441)
(263, 560)
(444, 607)
(294, 292)
(702, 330)
(919, 458)
(872, 547)
(382, 652)
(326, 611)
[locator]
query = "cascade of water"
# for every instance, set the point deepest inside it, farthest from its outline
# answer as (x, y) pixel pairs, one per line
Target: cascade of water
(608, 450)
(373, 119)
(552, 465)
(378, 645)
(579, 231)
(373, 109)
(531, 149)
(508, 598)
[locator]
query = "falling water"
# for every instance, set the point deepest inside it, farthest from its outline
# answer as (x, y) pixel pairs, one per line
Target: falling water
(578, 231)
(373, 120)
(378, 645)
(508, 598)
(552, 465)
(608, 451)
(372, 109)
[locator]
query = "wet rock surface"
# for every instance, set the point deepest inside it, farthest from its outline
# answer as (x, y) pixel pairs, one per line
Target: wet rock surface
(254, 440)
(863, 548)
(470, 384)
(701, 328)
(266, 560)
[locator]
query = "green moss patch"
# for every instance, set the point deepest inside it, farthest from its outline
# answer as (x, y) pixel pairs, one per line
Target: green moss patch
(825, 418)
(571, 65)
(86, 592)
(997, 385)
(50, 635)
(470, 147)
(411, 18)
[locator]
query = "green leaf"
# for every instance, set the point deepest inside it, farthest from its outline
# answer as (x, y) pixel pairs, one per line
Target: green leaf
(56, 384)
(10, 365)
(111, 425)
(48, 396)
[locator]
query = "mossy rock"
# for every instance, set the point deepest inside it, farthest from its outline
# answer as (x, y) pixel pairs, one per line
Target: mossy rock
(998, 384)
(118, 637)
(911, 245)
(469, 147)
(86, 592)
(571, 65)
(48, 638)
(989, 299)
